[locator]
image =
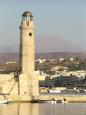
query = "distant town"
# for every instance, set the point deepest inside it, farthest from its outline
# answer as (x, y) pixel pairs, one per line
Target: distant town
(64, 72)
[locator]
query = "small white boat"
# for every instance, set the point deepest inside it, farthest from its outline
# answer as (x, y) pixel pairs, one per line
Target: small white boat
(54, 91)
(4, 101)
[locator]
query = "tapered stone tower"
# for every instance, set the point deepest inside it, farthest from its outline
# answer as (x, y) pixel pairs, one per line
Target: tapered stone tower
(27, 42)
(28, 80)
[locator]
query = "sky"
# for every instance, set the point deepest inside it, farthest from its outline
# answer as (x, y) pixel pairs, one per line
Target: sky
(65, 19)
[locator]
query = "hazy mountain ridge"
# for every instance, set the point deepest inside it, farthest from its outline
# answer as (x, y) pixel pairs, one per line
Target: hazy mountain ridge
(50, 46)
(4, 57)
(81, 55)
(53, 43)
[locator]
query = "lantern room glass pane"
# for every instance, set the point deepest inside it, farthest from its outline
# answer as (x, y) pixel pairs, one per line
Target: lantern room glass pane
(23, 18)
(27, 18)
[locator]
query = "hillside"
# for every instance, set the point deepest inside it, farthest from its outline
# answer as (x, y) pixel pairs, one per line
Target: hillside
(81, 55)
(15, 56)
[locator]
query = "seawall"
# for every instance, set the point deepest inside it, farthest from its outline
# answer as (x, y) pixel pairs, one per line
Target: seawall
(69, 98)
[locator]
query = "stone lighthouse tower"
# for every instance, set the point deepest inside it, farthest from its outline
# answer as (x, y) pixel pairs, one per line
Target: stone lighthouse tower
(27, 43)
(27, 79)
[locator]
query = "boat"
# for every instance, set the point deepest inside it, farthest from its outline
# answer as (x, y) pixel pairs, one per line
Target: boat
(54, 91)
(5, 101)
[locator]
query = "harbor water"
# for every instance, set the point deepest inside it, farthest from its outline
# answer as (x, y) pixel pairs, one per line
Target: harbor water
(43, 109)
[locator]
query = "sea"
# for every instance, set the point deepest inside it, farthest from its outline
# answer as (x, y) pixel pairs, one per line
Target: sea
(43, 109)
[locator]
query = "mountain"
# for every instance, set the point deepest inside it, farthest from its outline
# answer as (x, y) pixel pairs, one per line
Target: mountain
(4, 57)
(50, 46)
(52, 43)
(55, 55)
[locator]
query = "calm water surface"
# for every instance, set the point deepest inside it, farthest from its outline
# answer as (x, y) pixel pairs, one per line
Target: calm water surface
(43, 109)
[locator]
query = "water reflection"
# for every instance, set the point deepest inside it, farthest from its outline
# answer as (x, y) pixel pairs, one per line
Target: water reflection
(43, 109)
(19, 109)
(63, 109)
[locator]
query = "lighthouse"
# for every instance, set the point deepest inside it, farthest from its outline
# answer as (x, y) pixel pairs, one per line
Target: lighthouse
(28, 83)
(27, 51)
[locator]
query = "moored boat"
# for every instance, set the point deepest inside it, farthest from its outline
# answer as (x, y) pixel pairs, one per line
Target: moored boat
(4, 101)
(54, 91)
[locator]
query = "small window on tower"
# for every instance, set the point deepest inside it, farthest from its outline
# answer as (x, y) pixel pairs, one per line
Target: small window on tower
(30, 34)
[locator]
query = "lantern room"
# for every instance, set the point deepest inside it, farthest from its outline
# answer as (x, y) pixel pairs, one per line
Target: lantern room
(27, 16)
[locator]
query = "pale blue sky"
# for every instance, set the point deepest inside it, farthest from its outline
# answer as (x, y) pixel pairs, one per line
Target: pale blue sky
(63, 18)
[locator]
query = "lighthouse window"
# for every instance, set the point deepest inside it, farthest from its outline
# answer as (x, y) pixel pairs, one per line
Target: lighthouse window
(30, 34)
